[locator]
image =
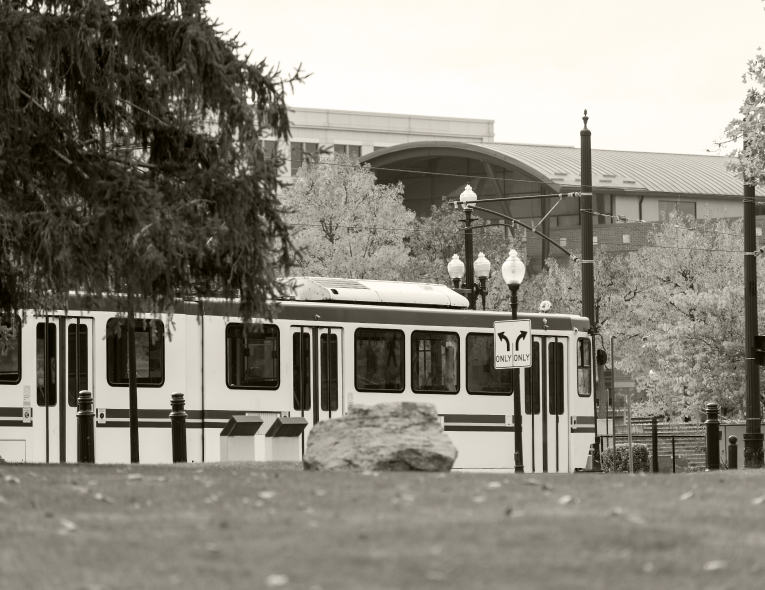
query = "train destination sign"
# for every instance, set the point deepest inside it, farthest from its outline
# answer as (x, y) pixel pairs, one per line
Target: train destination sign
(512, 344)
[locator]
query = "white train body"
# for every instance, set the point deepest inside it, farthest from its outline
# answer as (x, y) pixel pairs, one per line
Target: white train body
(388, 342)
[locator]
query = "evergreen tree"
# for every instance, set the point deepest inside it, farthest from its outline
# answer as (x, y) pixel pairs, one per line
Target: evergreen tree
(131, 158)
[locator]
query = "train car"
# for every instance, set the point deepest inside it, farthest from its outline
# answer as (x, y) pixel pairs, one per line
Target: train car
(334, 343)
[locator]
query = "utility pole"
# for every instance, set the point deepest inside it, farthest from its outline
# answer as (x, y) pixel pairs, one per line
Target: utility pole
(588, 278)
(753, 452)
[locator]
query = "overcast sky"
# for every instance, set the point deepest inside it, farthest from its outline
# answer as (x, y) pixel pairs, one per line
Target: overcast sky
(655, 75)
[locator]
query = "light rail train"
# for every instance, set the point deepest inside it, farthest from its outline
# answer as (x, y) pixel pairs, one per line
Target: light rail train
(337, 342)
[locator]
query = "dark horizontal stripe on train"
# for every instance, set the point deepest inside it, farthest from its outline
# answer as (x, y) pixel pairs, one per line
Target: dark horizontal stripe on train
(192, 414)
(148, 424)
(14, 423)
(588, 430)
(474, 418)
(12, 412)
(342, 312)
(468, 428)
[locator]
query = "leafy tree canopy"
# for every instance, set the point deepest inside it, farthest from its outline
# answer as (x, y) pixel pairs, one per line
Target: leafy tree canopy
(130, 156)
(346, 225)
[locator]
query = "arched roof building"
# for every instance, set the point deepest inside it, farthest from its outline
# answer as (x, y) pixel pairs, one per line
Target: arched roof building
(634, 186)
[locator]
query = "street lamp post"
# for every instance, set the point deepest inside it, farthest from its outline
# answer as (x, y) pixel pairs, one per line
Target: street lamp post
(481, 267)
(513, 271)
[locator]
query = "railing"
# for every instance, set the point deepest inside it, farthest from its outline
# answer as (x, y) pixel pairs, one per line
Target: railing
(614, 438)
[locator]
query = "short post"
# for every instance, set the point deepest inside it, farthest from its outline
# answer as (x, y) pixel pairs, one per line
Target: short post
(178, 426)
(86, 452)
(655, 445)
(713, 437)
(673, 453)
(732, 452)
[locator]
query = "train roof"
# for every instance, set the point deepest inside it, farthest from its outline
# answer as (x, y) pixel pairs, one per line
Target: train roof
(371, 292)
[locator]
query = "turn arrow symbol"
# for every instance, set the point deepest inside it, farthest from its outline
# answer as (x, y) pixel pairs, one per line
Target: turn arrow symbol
(507, 341)
(521, 336)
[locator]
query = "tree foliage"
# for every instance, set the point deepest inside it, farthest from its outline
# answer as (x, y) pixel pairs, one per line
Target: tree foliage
(131, 159)
(676, 308)
(435, 239)
(346, 225)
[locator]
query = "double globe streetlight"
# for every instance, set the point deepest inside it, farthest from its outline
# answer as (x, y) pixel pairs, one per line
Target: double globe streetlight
(513, 271)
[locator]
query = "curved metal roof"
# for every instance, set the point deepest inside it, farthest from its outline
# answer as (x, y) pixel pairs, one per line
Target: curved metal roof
(559, 166)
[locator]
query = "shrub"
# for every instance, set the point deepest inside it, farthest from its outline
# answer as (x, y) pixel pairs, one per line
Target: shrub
(640, 461)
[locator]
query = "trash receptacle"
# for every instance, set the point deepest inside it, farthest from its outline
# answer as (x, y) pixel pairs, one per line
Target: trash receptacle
(283, 439)
(238, 440)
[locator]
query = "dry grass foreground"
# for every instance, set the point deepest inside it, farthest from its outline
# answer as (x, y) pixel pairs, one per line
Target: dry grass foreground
(245, 526)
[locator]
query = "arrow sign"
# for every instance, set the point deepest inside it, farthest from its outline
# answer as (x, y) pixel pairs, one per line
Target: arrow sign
(505, 333)
(521, 336)
(507, 342)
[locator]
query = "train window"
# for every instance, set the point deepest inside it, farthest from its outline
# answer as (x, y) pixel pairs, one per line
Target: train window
(10, 351)
(435, 362)
(379, 360)
(77, 354)
(482, 377)
(555, 377)
(584, 367)
(532, 382)
(46, 364)
(252, 357)
(301, 371)
(149, 352)
(329, 373)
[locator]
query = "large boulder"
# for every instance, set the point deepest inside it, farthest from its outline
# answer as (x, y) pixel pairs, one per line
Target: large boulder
(400, 436)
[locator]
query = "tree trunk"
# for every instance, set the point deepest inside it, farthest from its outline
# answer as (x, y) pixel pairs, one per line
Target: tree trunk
(133, 386)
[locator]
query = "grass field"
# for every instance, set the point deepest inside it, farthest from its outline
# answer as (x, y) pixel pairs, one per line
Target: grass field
(244, 526)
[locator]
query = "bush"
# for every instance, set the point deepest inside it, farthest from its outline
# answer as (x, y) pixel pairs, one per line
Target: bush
(640, 461)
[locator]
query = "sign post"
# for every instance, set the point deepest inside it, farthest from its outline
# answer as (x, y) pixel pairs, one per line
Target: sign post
(512, 344)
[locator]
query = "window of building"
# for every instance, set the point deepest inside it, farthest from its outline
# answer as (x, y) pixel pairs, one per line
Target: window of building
(76, 362)
(329, 373)
(379, 360)
(563, 242)
(584, 367)
(252, 356)
(301, 371)
(149, 352)
(10, 351)
(532, 405)
(680, 208)
(555, 377)
(300, 153)
(435, 362)
(482, 377)
(351, 150)
(46, 364)
(625, 239)
(269, 147)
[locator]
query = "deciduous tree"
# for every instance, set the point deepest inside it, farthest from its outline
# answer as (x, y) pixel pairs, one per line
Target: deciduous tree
(344, 223)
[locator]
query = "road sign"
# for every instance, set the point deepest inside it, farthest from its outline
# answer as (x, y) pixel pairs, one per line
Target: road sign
(512, 344)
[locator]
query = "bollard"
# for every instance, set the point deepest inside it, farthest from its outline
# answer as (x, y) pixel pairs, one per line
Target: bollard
(86, 452)
(178, 426)
(673, 454)
(732, 452)
(713, 437)
(655, 445)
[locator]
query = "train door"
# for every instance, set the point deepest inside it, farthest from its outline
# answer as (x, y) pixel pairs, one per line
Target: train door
(545, 407)
(63, 368)
(554, 360)
(581, 406)
(532, 410)
(316, 373)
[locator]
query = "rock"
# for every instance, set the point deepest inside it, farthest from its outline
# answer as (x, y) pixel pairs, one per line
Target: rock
(399, 436)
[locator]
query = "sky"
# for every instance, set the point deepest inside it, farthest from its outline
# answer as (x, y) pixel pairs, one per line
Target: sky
(660, 76)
